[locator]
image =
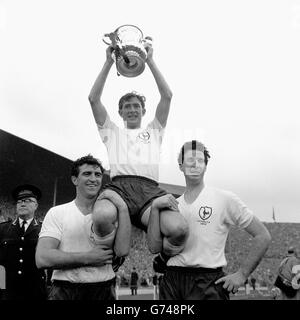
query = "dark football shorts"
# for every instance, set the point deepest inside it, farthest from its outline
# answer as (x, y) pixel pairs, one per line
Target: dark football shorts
(181, 283)
(65, 290)
(138, 193)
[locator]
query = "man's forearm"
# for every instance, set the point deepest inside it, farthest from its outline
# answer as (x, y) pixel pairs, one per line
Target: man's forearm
(162, 85)
(154, 236)
(57, 259)
(98, 86)
(260, 244)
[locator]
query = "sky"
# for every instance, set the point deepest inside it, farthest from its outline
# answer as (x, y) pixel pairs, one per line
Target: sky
(233, 68)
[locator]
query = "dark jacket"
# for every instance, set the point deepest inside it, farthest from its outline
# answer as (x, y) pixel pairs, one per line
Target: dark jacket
(24, 281)
(134, 279)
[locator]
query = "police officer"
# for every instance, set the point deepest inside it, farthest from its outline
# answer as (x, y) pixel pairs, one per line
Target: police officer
(18, 241)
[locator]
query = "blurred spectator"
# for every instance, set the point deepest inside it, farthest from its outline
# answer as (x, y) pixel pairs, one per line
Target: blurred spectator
(253, 283)
(155, 285)
(275, 293)
(288, 275)
(118, 281)
(134, 282)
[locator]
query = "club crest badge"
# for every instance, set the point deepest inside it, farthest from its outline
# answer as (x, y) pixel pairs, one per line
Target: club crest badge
(144, 136)
(205, 212)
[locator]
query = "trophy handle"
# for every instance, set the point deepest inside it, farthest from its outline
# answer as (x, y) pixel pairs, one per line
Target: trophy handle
(148, 40)
(111, 36)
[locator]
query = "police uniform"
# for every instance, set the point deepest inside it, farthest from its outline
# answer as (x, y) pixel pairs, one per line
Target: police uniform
(24, 281)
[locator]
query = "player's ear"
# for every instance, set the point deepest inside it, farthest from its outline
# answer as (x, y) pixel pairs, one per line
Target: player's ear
(74, 180)
(143, 111)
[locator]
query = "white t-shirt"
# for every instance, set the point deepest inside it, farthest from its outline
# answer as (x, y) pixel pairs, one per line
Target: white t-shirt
(133, 151)
(209, 218)
(68, 225)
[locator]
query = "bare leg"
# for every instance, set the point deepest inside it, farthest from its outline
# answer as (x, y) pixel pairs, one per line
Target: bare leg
(104, 217)
(111, 213)
(174, 229)
(104, 223)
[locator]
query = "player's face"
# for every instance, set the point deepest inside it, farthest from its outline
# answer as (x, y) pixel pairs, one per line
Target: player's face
(88, 182)
(132, 112)
(194, 165)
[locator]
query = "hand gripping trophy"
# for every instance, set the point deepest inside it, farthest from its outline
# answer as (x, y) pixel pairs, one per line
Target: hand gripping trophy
(129, 51)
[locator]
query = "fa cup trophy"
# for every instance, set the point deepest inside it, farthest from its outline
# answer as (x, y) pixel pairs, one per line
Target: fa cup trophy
(129, 51)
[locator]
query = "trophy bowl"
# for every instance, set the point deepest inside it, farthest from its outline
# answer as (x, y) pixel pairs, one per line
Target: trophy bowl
(129, 51)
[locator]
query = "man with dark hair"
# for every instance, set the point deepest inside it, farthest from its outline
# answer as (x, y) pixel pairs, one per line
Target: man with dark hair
(133, 154)
(18, 241)
(81, 263)
(89, 160)
(128, 96)
(196, 272)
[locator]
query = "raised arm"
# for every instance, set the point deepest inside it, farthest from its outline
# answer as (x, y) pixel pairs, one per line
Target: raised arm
(163, 107)
(98, 108)
(49, 256)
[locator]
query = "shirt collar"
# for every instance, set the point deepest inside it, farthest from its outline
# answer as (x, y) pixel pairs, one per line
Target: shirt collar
(27, 222)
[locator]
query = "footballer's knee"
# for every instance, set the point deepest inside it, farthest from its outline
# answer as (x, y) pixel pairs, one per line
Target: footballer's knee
(175, 228)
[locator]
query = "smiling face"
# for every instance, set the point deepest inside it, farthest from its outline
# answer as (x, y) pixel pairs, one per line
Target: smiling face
(193, 165)
(132, 112)
(88, 182)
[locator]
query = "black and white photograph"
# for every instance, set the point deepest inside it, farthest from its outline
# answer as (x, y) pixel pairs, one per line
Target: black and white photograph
(149, 150)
